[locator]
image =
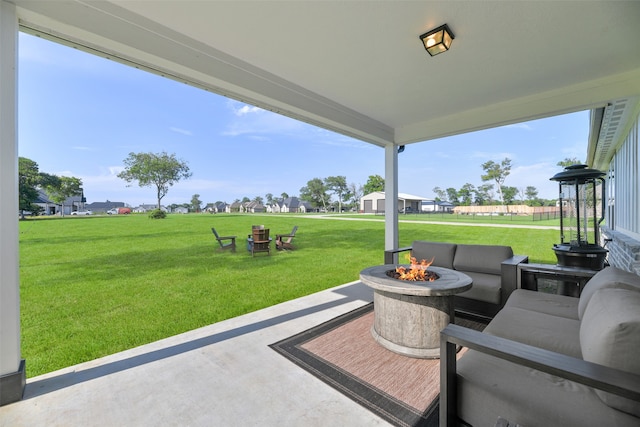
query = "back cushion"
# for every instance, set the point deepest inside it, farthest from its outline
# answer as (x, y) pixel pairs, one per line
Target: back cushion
(610, 277)
(442, 253)
(481, 258)
(610, 336)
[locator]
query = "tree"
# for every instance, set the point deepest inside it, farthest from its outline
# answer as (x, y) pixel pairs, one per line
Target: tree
(509, 194)
(452, 195)
(568, 162)
(484, 194)
(196, 203)
(521, 195)
(258, 199)
(284, 196)
(497, 173)
(338, 186)
(441, 195)
(269, 198)
(466, 194)
(374, 183)
(531, 193)
(61, 188)
(29, 178)
(315, 192)
(154, 170)
(356, 192)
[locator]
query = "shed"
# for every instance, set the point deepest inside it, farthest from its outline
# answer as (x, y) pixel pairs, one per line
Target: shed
(374, 203)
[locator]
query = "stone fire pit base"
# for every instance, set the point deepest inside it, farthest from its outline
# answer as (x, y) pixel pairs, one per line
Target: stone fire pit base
(412, 324)
(408, 316)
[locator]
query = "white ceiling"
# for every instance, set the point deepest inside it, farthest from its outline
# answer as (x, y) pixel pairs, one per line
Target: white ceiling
(359, 68)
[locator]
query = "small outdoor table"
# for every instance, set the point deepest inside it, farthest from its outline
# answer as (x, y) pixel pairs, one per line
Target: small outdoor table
(408, 316)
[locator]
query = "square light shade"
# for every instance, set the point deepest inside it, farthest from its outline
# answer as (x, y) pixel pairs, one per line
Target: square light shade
(438, 40)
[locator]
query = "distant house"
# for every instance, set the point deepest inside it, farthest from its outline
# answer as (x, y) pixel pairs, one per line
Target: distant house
(375, 202)
(71, 204)
(234, 207)
(306, 207)
(272, 207)
(43, 201)
(294, 205)
(180, 210)
(290, 205)
(433, 206)
(103, 207)
(147, 208)
(253, 207)
(215, 207)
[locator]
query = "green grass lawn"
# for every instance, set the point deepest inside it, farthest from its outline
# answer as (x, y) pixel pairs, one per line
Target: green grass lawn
(93, 286)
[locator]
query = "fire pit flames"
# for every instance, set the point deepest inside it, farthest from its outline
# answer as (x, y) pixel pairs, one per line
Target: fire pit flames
(416, 272)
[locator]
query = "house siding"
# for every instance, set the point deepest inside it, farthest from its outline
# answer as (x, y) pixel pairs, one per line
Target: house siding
(621, 234)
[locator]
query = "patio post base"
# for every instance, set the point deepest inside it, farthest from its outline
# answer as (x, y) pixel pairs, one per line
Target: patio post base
(12, 385)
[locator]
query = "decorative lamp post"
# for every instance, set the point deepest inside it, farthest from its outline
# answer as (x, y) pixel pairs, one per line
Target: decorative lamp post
(579, 219)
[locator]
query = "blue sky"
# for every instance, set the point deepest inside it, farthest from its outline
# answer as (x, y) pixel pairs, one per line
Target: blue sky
(81, 115)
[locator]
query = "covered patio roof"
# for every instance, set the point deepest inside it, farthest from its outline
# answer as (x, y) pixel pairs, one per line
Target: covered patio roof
(359, 67)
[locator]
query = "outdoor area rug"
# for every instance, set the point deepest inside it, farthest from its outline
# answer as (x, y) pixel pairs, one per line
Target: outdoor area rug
(342, 353)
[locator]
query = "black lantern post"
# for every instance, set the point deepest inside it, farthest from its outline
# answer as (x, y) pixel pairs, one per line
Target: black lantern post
(579, 219)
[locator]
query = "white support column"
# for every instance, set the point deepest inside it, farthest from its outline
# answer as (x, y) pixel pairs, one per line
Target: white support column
(391, 197)
(12, 374)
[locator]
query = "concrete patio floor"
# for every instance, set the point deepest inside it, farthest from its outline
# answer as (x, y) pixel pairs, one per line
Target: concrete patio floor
(223, 374)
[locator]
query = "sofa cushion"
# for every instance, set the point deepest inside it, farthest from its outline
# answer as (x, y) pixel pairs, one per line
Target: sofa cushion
(481, 258)
(552, 333)
(441, 253)
(542, 302)
(610, 277)
(489, 387)
(610, 336)
(486, 287)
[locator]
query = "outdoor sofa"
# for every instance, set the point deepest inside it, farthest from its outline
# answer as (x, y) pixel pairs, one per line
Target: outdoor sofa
(549, 360)
(493, 269)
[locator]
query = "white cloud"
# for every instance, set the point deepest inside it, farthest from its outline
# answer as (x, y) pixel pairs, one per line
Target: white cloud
(535, 175)
(441, 154)
(115, 170)
(497, 157)
(182, 131)
(247, 109)
(340, 141)
(523, 126)
(269, 123)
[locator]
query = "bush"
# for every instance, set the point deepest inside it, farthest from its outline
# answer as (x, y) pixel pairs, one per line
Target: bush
(157, 214)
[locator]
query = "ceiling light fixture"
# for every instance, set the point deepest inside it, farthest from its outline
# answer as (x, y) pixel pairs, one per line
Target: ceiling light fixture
(438, 40)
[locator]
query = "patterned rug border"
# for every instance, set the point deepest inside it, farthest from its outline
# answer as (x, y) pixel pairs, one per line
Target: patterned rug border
(377, 401)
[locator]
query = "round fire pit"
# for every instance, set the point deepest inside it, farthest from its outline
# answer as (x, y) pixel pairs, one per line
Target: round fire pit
(408, 316)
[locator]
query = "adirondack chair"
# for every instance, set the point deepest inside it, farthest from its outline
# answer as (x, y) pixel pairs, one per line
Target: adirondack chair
(283, 241)
(226, 242)
(260, 241)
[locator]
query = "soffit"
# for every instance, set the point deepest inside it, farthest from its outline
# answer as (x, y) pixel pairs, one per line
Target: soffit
(359, 68)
